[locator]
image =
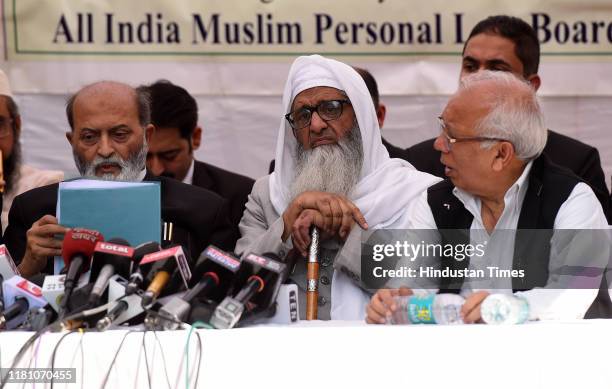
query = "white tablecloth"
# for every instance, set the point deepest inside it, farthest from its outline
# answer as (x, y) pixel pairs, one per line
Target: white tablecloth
(338, 355)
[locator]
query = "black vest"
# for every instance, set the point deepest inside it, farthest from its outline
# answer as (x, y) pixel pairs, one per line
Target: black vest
(549, 187)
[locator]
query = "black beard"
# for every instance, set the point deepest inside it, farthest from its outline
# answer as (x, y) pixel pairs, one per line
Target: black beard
(11, 167)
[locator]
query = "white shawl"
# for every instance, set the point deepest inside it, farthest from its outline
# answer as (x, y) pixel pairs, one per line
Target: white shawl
(386, 186)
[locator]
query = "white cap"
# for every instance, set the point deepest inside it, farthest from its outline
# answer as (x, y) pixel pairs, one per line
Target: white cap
(5, 87)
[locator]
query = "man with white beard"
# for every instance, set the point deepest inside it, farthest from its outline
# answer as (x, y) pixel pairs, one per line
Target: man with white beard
(332, 171)
(109, 129)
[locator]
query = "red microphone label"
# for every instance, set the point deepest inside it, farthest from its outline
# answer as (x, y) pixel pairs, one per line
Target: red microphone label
(113, 248)
(85, 234)
(29, 287)
(154, 257)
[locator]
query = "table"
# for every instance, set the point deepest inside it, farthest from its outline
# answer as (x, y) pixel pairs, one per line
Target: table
(336, 355)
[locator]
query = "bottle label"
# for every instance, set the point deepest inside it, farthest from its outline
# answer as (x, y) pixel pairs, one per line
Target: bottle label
(505, 309)
(420, 309)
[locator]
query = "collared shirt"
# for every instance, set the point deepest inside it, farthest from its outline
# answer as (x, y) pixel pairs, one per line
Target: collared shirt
(580, 211)
(500, 242)
(189, 177)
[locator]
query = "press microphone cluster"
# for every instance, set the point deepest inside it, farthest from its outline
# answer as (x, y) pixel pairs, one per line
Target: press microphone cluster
(217, 269)
(256, 284)
(233, 290)
(153, 263)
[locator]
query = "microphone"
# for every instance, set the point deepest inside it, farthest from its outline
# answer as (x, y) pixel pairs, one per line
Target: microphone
(218, 269)
(19, 307)
(158, 283)
(258, 280)
(7, 265)
(175, 258)
(137, 277)
(116, 291)
(114, 256)
(39, 318)
(112, 315)
(20, 295)
(78, 246)
(8, 269)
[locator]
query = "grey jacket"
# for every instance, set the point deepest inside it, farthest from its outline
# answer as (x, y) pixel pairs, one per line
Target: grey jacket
(261, 229)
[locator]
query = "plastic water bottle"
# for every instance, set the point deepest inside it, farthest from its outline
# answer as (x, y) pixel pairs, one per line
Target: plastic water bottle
(504, 309)
(444, 308)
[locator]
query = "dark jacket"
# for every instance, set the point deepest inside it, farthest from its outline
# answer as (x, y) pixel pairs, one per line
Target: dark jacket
(200, 217)
(549, 187)
(233, 187)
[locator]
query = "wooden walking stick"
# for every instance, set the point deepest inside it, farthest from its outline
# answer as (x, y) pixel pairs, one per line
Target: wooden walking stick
(312, 276)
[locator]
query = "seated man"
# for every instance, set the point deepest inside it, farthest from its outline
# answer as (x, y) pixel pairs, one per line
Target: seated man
(18, 177)
(110, 126)
(381, 111)
(508, 44)
(332, 171)
(174, 113)
(491, 142)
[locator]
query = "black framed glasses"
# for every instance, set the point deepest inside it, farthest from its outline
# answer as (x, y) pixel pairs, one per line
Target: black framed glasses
(327, 110)
(449, 142)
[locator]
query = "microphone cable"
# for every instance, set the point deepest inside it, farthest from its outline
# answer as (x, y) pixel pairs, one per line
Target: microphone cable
(110, 368)
(195, 325)
(157, 343)
(40, 332)
(55, 352)
(82, 360)
(33, 358)
(163, 359)
(144, 347)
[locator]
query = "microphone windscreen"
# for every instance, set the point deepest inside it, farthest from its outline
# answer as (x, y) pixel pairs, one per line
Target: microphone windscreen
(120, 241)
(80, 241)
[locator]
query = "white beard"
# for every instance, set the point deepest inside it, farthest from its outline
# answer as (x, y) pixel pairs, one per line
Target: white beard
(130, 168)
(333, 168)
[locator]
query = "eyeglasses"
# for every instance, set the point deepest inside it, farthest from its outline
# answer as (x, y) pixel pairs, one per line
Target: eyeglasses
(327, 110)
(449, 142)
(6, 126)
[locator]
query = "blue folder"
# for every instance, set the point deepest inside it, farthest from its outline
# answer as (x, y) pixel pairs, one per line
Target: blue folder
(128, 210)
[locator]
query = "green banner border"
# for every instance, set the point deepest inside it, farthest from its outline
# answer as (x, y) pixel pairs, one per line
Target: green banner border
(250, 53)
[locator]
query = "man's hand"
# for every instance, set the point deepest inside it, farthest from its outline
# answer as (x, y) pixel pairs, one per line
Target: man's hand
(337, 214)
(41, 244)
(382, 305)
(470, 311)
(300, 234)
